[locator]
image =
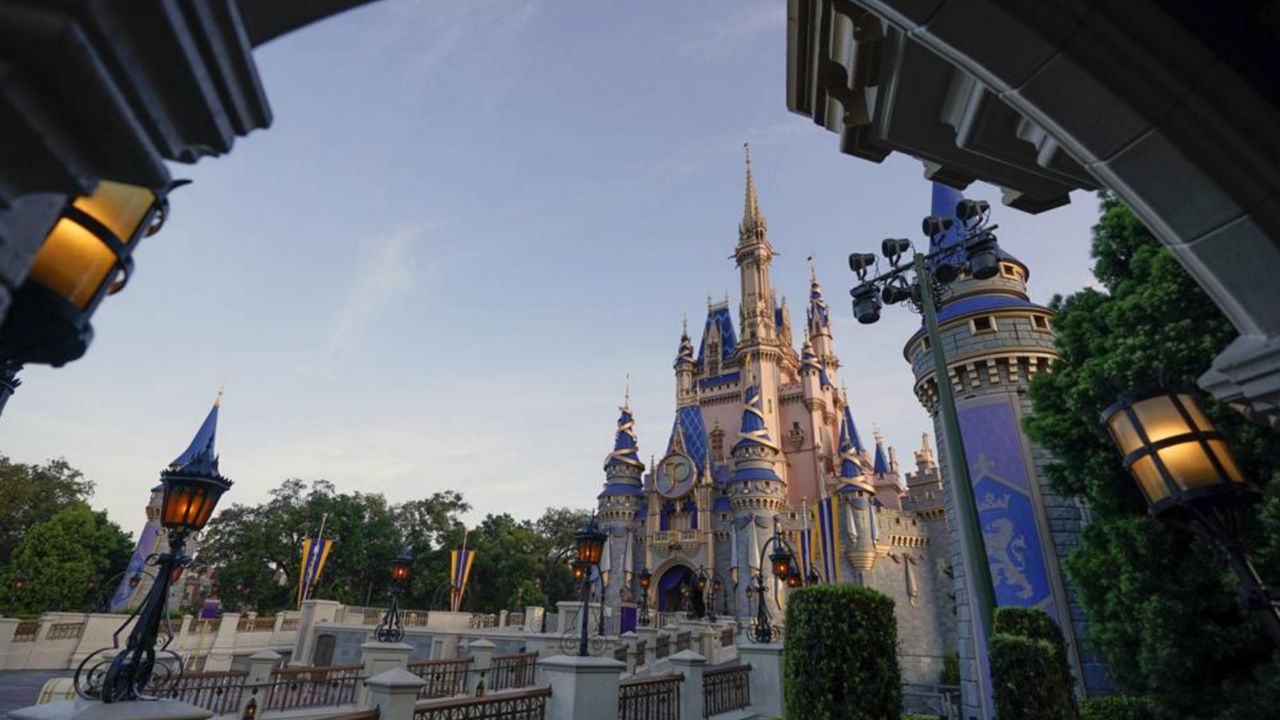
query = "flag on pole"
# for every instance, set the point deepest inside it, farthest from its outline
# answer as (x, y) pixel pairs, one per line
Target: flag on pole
(733, 554)
(849, 522)
(628, 565)
(460, 564)
(315, 551)
(606, 563)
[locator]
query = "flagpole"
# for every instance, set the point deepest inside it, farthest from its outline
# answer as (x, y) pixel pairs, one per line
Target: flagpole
(324, 518)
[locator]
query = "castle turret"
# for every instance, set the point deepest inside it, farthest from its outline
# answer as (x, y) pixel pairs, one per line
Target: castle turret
(622, 496)
(996, 340)
(856, 495)
(684, 366)
(818, 317)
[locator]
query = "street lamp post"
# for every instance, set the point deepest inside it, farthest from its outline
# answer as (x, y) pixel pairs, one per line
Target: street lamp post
(977, 250)
(188, 502)
(1188, 476)
(646, 579)
(590, 540)
(85, 257)
(782, 562)
(708, 583)
(391, 629)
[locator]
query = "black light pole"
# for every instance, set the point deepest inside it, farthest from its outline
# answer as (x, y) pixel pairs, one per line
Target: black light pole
(1188, 476)
(391, 629)
(782, 562)
(977, 251)
(590, 540)
(189, 500)
(646, 579)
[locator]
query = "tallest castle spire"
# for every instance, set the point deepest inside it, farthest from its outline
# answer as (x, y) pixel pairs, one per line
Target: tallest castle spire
(753, 224)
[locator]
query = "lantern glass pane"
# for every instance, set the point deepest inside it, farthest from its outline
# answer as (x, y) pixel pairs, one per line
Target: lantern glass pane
(1192, 406)
(120, 207)
(1160, 418)
(72, 263)
(1149, 481)
(1189, 465)
(1227, 460)
(1123, 433)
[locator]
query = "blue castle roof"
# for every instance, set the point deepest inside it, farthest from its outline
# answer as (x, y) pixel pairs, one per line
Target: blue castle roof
(693, 432)
(723, 321)
(201, 457)
(881, 466)
(625, 448)
(847, 422)
(754, 431)
(817, 312)
(850, 466)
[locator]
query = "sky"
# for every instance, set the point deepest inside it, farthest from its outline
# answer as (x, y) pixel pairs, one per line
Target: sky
(468, 225)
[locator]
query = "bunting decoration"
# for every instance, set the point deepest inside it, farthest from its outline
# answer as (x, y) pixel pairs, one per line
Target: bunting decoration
(806, 546)
(315, 551)
(829, 539)
(733, 555)
(850, 524)
(460, 564)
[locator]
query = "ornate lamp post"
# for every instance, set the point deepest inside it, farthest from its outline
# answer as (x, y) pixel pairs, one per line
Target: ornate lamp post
(782, 564)
(391, 629)
(85, 257)
(978, 251)
(646, 579)
(590, 540)
(708, 583)
(190, 497)
(1188, 476)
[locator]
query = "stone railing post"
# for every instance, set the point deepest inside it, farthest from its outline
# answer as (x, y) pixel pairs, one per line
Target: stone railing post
(380, 657)
(766, 677)
(502, 617)
(630, 639)
(582, 688)
(481, 660)
(689, 664)
(224, 644)
(255, 691)
(533, 618)
(395, 693)
(8, 626)
(314, 612)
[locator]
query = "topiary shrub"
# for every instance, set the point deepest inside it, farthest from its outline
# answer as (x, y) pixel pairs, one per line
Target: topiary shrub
(1035, 624)
(839, 661)
(1027, 680)
(1117, 708)
(950, 674)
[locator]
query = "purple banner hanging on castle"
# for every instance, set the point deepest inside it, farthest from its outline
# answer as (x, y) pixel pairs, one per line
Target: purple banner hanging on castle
(1006, 507)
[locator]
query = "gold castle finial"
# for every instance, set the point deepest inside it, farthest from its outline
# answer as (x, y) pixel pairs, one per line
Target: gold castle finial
(626, 398)
(813, 271)
(217, 401)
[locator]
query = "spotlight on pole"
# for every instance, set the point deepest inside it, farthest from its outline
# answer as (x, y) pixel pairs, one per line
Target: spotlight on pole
(866, 306)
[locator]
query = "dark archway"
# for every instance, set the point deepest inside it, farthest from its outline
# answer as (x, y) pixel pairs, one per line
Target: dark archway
(670, 597)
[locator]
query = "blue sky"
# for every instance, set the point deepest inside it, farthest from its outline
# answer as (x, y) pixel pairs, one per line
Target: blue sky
(469, 222)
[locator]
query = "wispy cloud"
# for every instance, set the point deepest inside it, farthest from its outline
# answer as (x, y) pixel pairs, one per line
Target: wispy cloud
(387, 269)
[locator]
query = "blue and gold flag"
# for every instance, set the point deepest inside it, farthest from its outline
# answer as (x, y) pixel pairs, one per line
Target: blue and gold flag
(829, 539)
(460, 567)
(315, 551)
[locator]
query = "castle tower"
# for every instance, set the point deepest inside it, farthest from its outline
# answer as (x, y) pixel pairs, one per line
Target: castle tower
(996, 340)
(619, 502)
(757, 493)
(201, 458)
(818, 317)
(684, 366)
(759, 351)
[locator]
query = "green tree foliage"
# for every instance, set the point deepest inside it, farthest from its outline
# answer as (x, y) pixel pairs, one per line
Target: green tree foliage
(59, 554)
(1118, 708)
(31, 494)
(840, 656)
(1162, 603)
(1035, 624)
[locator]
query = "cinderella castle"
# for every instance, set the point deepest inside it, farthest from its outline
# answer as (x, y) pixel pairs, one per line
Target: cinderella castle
(764, 439)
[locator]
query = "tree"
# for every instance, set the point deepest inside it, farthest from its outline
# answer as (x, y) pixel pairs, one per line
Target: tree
(59, 554)
(31, 494)
(1162, 603)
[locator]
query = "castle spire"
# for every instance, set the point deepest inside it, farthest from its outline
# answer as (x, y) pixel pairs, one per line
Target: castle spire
(751, 217)
(881, 466)
(201, 457)
(626, 452)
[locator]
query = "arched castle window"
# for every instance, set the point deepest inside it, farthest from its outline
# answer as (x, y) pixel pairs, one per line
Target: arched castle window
(717, 444)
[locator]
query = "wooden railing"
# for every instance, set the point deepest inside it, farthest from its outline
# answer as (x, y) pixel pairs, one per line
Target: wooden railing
(414, 618)
(512, 671)
(444, 678)
(289, 624)
(64, 631)
(650, 699)
(480, 621)
(726, 689)
(217, 692)
(312, 686)
(525, 705)
(661, 647)
(26, 631)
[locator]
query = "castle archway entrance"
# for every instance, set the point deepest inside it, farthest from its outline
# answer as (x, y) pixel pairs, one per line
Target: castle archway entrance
(670, 584)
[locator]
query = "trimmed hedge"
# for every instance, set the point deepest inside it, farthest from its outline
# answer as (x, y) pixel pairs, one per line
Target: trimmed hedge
(1117, 708)
(840, 661)
(1034, 624)
(1027, 680)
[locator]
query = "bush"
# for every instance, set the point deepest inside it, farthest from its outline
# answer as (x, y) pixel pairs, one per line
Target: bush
(1027, 680)
(1116, 708)
(950, 668)
(840, 658)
